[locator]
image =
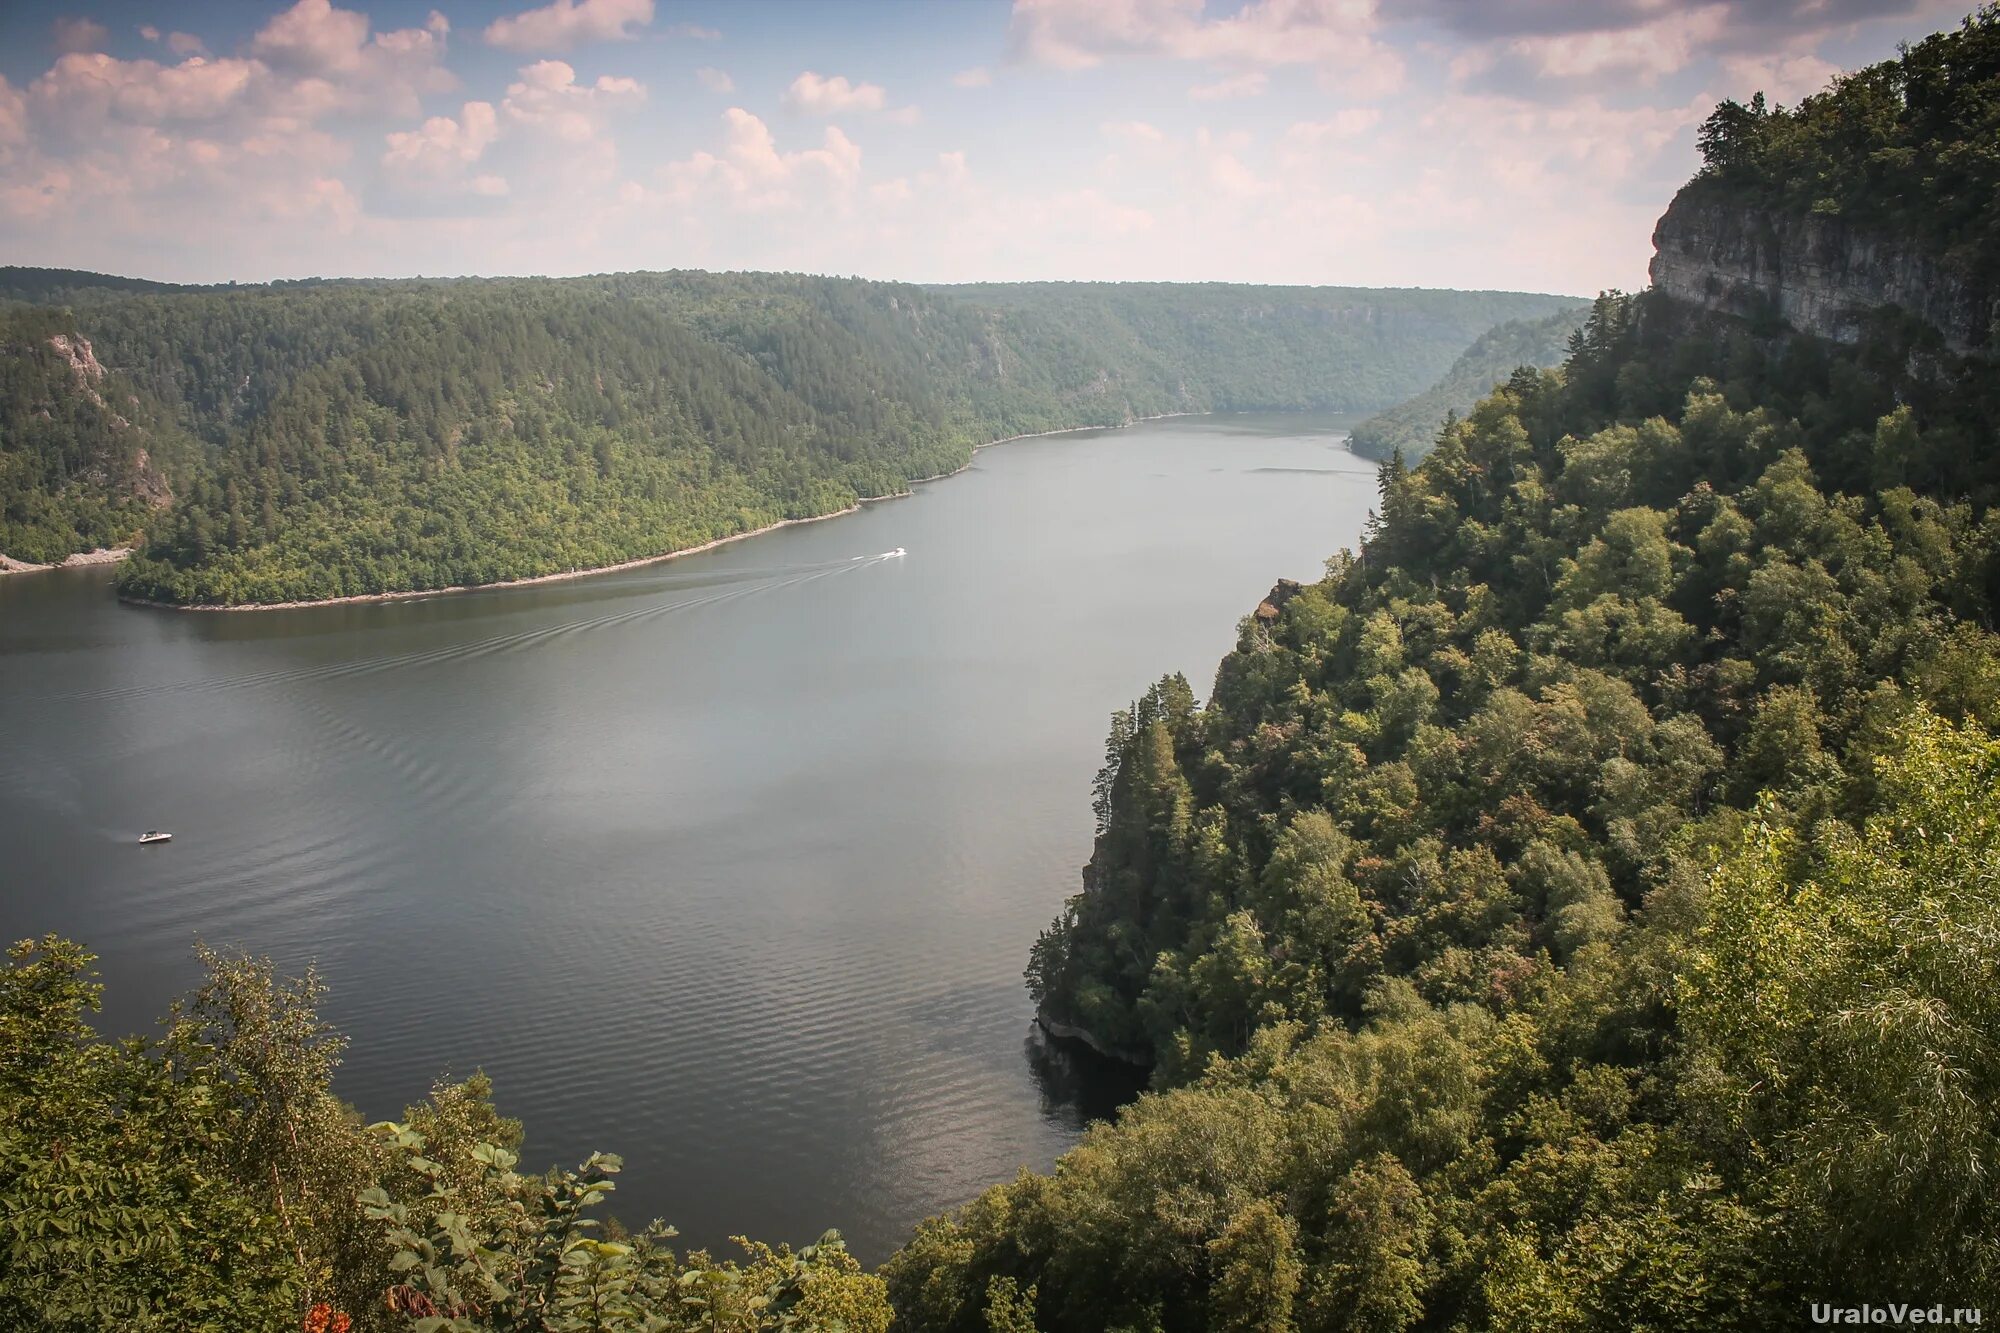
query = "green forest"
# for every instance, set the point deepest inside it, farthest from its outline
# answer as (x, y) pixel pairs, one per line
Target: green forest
(1908, 148)
(304, 441)
(1412, 426)
(1578, 911)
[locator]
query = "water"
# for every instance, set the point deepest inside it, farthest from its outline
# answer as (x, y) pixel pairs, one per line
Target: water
(729, 865)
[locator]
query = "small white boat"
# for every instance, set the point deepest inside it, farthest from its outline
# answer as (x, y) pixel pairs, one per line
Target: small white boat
(154, 835)
(897, 552)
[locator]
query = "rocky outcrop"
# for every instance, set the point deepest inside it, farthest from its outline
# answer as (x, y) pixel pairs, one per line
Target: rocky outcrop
(1273, 606)
(1819, 274)
(78, 353)
(103, 555)
(1062, 1031)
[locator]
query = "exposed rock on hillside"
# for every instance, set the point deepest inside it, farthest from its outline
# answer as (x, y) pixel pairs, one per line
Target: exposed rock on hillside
(1273, 606)
(1821, 275)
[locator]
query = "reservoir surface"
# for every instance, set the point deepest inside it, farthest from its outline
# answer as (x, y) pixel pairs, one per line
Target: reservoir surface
(729, 865)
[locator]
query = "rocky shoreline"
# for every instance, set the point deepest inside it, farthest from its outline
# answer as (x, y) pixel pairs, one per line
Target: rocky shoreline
(1062, 1031)
(103, 555)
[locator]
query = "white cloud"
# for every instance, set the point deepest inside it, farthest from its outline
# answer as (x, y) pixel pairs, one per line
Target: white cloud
(1331, 35)
(1781, 78)
(203, 171)
(437, 159)
(1351, 123)
(209, 150)
(1344, 147)
(548, 97)
(308, 62)
(1534, 148)
(749, 172)
(1248, 84)
(13, 117)
(81, 91)
(1665, 46)
(820, 96)
(442, 139)
(550, 128)
(79, 34)
(336, 64)
(314, 37)
(149, 32)
(569, 23)
(1136, 131)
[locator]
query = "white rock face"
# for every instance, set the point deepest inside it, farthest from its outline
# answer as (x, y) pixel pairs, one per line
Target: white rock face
(1819, 274)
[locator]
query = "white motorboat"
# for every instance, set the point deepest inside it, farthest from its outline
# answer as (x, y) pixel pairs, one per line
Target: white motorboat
(154, 835)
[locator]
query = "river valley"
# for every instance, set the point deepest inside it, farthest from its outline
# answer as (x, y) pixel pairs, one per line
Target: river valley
(729, 864)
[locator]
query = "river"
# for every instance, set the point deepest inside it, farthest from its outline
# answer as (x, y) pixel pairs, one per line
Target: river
(729, 865)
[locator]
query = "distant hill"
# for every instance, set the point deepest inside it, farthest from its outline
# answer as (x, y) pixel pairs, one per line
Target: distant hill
(45, 286)
(1242, 344)
(365, 437)
(1413, 425)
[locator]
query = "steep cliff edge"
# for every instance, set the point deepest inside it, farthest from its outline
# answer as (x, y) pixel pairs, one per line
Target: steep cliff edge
(1822, 275)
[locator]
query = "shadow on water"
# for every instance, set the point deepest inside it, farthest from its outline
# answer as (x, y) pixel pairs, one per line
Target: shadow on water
(1077, 1085)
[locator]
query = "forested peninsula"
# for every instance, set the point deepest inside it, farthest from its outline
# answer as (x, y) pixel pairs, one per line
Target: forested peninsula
(1578, 911)
(319, 440)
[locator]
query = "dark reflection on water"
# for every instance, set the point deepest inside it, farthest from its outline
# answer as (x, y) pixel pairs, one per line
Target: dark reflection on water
(728, 865)
(1079, 1086)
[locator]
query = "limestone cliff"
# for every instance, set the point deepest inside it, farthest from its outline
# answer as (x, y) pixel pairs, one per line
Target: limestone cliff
(1819, 274)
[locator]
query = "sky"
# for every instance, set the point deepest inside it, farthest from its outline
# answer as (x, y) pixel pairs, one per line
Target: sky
(1515, 144)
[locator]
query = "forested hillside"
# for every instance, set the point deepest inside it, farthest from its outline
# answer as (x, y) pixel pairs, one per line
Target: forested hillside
(363, 437)
(1578, 910)
(86, 459)
(1238, 348)
(1413, 426)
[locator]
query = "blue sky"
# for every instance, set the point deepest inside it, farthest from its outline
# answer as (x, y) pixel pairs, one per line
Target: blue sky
(1523, 144)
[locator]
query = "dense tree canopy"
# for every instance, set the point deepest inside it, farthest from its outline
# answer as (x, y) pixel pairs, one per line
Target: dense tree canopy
(86, 458)
(1909, 147)
(208, 1181)
(1571, 912)
(1577, 911)
(360, 437)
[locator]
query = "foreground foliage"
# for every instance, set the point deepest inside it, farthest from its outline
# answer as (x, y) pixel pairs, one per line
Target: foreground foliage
(1775, 1084)
(209, 1180)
